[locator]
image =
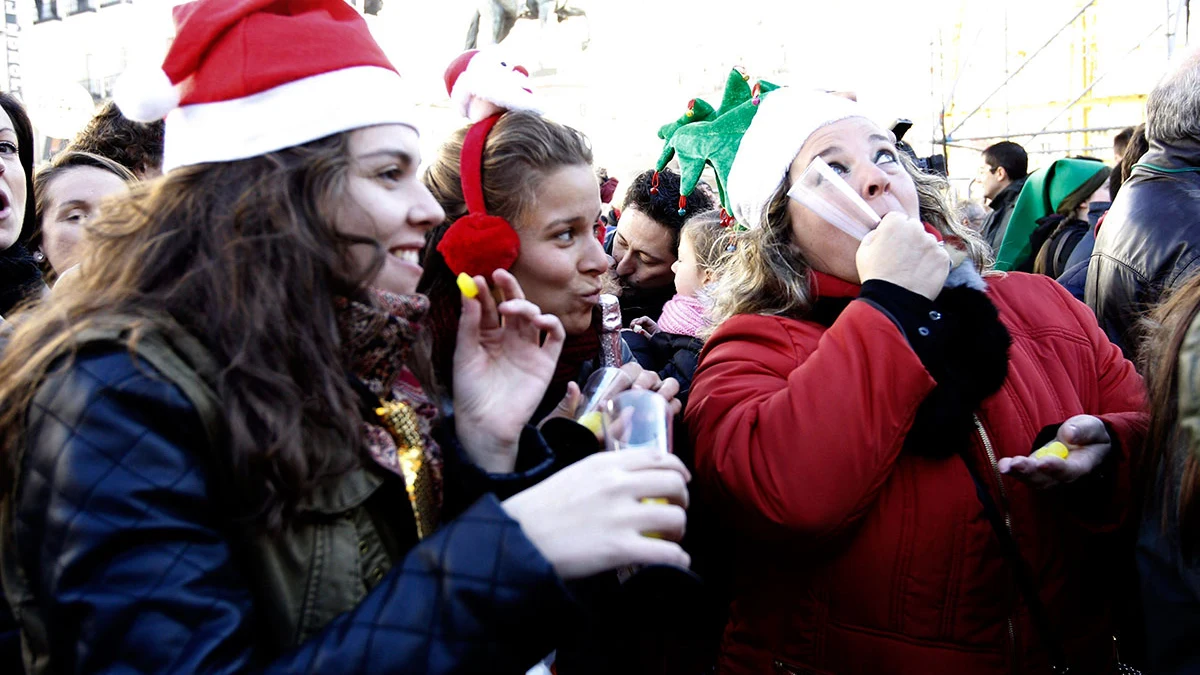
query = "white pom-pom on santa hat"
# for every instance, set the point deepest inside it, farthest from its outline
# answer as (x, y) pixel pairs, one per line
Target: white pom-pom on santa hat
(145, 94)
(481, 83)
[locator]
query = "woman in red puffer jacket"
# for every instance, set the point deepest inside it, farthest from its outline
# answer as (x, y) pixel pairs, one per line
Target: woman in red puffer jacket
(864, 418)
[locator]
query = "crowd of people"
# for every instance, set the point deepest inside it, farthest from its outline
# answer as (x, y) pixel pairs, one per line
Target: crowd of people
(277, 394)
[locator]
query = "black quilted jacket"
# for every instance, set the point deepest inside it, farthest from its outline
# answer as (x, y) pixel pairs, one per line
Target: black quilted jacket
(122, 561)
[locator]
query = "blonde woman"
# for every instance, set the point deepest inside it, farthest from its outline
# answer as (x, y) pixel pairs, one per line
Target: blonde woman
(864, 415)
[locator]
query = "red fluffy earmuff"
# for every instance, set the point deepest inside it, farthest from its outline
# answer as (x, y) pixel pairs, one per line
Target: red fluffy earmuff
(478, 244)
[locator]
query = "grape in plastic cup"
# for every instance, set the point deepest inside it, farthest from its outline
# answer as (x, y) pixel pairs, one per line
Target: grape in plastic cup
(598, 390)
(826, 194)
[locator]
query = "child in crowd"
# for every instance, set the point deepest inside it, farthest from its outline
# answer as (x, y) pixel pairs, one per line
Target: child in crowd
(672, 346)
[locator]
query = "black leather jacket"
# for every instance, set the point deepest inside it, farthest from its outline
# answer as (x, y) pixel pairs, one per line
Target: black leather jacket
(119, 555)
(1150, 240)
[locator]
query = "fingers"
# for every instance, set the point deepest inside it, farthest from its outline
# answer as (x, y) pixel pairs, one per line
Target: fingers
(490, 317)
(640, 460)
(648, 551)
(1026, 470)
(668, 388)
(468, 325)
(556, 335)
(508, 285)
(527, 322)
(642, 379)
(1048, 471)
(570, 402)
(519, 317)
(1083, 430)
(667, 521)
(660, 484)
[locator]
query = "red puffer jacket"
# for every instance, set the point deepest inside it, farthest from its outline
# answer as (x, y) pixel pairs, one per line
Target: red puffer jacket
(853, 557)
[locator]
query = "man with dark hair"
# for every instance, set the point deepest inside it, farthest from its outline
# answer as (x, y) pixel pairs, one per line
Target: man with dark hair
(1002, 174)
(1121, 142)
(646, 241)
(1149, 243)
(135, 146)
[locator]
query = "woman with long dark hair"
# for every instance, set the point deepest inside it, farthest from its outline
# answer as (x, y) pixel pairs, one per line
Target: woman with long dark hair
(20, 278)
(1168, 555)
(219, 453)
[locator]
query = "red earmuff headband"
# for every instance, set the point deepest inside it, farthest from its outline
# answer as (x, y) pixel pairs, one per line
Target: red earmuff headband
(478, 244)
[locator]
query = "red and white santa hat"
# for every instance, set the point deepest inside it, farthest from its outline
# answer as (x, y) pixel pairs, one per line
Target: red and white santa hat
(247, 77)
(485, 77)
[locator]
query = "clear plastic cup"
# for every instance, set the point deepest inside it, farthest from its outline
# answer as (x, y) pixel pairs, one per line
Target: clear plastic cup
(637, 419)
(600, 387)
(826, 194)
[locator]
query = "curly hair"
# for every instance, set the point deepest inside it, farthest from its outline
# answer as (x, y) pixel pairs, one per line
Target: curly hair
(662, 206)
(135, 146)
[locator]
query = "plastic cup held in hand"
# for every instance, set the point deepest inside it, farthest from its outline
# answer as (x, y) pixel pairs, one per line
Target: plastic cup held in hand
(826, 194)
(600, 387)
(638, 419)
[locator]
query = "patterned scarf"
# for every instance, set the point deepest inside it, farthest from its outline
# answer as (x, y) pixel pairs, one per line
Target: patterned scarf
(377, 334)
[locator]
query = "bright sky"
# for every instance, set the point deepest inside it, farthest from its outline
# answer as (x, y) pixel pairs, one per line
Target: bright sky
(647, 58)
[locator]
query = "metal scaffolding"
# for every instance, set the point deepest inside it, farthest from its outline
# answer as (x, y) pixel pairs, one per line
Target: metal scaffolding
(1174, 28)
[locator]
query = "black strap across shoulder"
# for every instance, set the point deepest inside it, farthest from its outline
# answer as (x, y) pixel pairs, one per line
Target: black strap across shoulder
(1021, 573)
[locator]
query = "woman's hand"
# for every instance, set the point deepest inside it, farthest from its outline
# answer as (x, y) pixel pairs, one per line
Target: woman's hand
(1087, 441)
(637, 378)
(502, 367)
(589, 517)
(648, 379)
(899, 250)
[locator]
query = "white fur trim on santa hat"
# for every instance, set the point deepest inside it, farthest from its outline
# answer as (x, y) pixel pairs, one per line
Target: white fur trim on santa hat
(291, 114)
(784, 121)
(145, 94)
(491, 79)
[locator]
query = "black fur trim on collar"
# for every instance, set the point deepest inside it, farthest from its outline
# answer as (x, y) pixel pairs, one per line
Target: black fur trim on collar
(973, 365)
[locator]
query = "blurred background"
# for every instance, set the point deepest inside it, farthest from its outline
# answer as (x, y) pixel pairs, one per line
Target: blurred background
(1060, 77)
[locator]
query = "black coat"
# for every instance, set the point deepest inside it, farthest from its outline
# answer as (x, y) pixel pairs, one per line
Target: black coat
(1002, 207)
(1150, 241)
(669, 355)
(132, 567)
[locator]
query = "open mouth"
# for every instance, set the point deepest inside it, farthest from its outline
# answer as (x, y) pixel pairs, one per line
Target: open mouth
(408, 255)
(4, 202)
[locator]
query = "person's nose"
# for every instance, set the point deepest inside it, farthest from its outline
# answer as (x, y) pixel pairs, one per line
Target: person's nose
(626, 266)
(425, 212)
(876, 182)
(594, 259)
